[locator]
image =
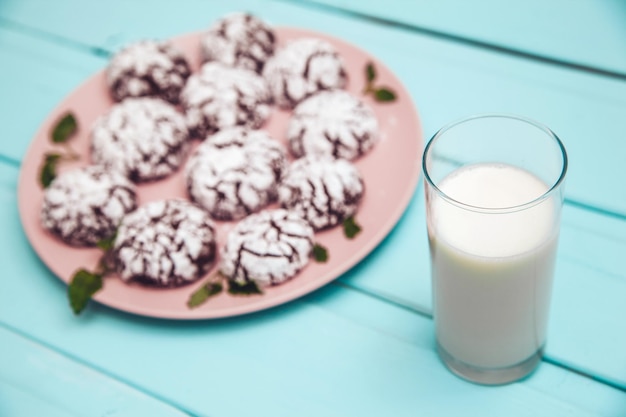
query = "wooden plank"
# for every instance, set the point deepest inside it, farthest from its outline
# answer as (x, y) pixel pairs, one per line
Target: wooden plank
(334, 353)
(17, 403)
(36, 381)
(584, 33)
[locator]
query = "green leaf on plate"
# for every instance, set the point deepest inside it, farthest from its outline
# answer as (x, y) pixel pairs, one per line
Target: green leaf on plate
(384, 95)
(202, 294)
(351, 228)
(320, 253)
(52, 157)
(48, 171)
(247, 288)
(64, 129)
(83, 286)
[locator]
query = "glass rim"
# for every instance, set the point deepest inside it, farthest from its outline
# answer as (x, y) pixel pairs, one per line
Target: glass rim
(518, 207)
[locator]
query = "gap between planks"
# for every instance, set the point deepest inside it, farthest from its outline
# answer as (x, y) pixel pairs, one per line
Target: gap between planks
(53, 37)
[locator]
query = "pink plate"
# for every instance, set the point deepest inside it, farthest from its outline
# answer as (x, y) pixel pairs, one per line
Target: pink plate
(390, 171)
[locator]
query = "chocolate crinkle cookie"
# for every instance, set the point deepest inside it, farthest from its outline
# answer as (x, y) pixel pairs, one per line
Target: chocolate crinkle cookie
(84, 206)
(303, 67)
(220, 96)
(148, 68)
(166, 243)
(268, 248)
(322, 190)
(333, 123)
(239, 40)
(143, 138)
(235, 172)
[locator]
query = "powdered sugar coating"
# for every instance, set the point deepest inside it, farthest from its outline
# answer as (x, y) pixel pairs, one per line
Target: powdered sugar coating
(324, 191)
(303, 67)
(220, 96)
(239, 40)
(85, 205)
(143, 138)
(333, 123)
(235, 172)
(268, 248)
(166, 243)
(148, 68)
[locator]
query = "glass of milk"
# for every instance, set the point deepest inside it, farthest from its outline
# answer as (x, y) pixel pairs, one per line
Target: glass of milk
(494, 188)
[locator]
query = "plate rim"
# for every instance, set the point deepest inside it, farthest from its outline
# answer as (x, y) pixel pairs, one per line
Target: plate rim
(347, 263)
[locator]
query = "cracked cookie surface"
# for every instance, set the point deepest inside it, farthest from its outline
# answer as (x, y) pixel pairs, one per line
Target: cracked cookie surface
(269, 248)
(333, 123)
(302, 68)
(144, 138)
(85, 205)
(239, 40)
(322, 190)
(166, 243)
(219, 96)
(235, 172)
(148, 68)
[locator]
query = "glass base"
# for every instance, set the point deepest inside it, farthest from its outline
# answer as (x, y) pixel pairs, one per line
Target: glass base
(490, 376)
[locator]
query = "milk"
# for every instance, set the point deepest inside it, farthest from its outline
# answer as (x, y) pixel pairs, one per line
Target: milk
(492, 271)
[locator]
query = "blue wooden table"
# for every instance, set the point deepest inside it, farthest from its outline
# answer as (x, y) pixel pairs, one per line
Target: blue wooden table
(362, 345)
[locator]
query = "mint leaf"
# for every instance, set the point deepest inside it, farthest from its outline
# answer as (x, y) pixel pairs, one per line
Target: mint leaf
(381, 94)
(370, 73)
(52, 157)
(48, 170)
(384, 95)
(202, 294)
(247, 288)
(83, 286)
(351, 228)
(320, 253)
(64, 128)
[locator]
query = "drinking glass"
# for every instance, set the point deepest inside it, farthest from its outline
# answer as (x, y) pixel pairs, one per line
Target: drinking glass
(494, 187)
